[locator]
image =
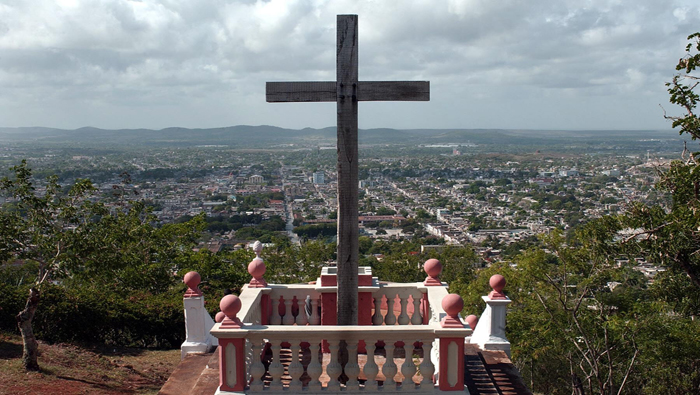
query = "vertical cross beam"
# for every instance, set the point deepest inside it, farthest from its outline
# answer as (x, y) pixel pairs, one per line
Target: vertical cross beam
(348, 196)
(347, 91)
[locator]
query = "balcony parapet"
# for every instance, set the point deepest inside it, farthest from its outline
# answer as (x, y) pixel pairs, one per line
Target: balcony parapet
(384, 304)
(269, 321)
(385, 346)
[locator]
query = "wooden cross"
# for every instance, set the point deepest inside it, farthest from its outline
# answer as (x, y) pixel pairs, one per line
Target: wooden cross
(347, 91)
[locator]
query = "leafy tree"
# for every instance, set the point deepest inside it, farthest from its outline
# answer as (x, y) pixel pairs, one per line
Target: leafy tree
(571, 330)
(314, 231)
(36, 231)
(501, 182)
(70, 239)
(293, 264)
(682, 89)
(403, 263)
(385, 211)
(670, 236)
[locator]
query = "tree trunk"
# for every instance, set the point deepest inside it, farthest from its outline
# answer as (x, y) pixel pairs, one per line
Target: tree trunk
(577, 385)
(683, 260)
(24, 322)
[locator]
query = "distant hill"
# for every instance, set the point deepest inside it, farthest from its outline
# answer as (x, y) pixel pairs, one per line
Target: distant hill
(269, 136)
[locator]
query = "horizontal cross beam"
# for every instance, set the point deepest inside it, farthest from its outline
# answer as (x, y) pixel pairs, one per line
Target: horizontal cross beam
(280, 92)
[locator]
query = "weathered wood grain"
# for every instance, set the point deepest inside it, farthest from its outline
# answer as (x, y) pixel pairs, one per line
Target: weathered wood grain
(393, 91)
(348, 227)
(305, 91)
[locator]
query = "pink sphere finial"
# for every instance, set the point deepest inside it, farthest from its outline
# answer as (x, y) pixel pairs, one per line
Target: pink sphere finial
(432, 268)
(452, 304)
(192, 279)
(257, 269)
(230, 305)
(497, 282)
(472, 320)
(219, 316)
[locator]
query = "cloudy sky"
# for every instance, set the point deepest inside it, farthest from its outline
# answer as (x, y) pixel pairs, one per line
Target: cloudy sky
(527, 64)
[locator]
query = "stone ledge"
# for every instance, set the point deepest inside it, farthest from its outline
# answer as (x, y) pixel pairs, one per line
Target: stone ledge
(197, 374)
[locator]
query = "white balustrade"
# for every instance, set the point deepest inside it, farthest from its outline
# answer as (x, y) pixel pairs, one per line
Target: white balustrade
(292, 317)
(293, 299)
(299, 304)
(361, 377)
(404, 294)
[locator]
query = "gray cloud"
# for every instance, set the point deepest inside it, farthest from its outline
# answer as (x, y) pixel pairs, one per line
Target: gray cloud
(522, 64)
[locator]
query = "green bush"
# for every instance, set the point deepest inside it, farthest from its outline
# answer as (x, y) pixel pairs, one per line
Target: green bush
(12, 300)
(90, 315)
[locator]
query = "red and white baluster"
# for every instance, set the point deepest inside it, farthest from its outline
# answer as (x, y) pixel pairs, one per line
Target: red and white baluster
(288, 317)
(377, 318)
(416, 318)
(301, 315)
(257, 369)
(275, 318)
(334, 369)
(352, 368)
(276, 368)
(315, 318)
(408, 369)
(389, 368)
(427, 369)
(295, 369)
(371, 369)
(314, 370)
(403, 317)
(390, 318)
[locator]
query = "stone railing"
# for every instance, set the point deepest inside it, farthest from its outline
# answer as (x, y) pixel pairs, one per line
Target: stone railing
(403, 295)
(278, 338)
(315, 303)
(303, 304)
(397, 358)
(294, 304)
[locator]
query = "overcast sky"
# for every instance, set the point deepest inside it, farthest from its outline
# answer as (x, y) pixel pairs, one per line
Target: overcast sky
(528, 64)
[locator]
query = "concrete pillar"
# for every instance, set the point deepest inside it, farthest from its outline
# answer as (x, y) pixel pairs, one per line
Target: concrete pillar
(490, 331)
(198, 322)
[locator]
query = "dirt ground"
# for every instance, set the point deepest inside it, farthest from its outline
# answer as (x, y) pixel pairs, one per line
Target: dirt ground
(69, 369)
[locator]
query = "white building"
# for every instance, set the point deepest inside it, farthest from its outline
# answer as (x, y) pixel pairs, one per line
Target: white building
(256, 179)
(318, 177)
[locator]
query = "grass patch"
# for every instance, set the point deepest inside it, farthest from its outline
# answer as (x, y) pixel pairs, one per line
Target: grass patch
(71, 369)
